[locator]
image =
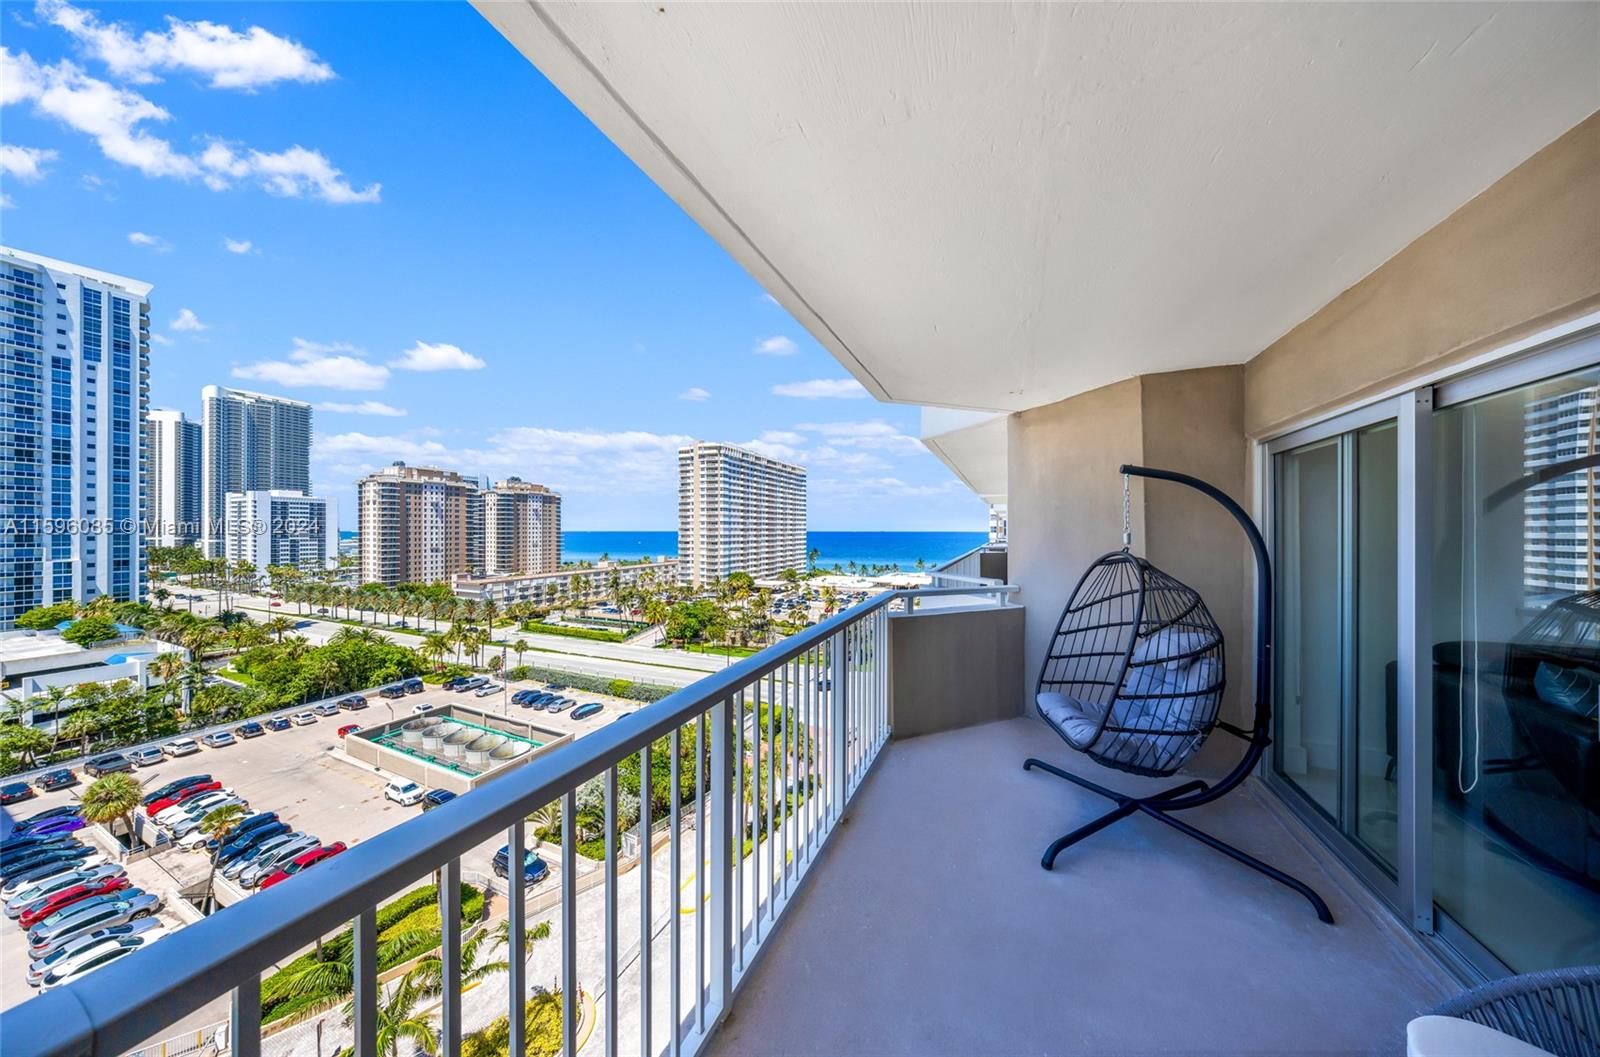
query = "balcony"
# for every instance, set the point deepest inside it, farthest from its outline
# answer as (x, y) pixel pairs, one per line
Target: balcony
(897, 888)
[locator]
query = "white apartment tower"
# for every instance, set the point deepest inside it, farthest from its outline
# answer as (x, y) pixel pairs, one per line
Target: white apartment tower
(276, 527)
(252, 442)
(73, 399)
(418, 524)
(738, 511)
(172, 500)
(522, 529)
(1561, 518)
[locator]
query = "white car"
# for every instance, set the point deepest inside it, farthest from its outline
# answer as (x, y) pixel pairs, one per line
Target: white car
(303, 719)
(403, 793)
(487, 691)
(192, 807)
(189, 827)
(424, 708)
(327, 708)
(88, 960)
(181, 747)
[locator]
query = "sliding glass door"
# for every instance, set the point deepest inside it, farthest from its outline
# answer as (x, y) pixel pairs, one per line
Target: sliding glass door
(1335, 547)
(1437, 662)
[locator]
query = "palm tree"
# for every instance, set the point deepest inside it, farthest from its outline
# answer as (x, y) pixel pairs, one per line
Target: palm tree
(278, 625)
(80, 725)
(427, 976)
(217, 824)
(25, 743)
(113, 798)
(398, 1020)
(434, 647)
(545, 820)
(519, 647)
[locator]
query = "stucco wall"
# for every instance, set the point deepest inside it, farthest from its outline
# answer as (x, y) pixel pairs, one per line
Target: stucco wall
(954, 669)
(1522, 256)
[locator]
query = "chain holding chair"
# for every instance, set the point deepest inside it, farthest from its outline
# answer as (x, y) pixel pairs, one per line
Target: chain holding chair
(1134, 679)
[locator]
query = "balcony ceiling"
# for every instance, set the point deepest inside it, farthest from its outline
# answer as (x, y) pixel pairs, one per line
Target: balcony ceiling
(998, 206)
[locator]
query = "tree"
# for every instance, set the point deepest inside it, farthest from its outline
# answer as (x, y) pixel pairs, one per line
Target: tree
(44, 618)
(113, 798)
(546, 820)
(519, 647)
(217, 824)
(81, 724)
(26, 744)
(541, 1031)
(279, 625)
(399, 1020)
(87, 631)
(812, 557)
(434, 647)
(428, 972)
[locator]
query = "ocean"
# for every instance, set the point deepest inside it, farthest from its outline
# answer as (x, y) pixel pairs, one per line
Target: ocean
(899, 549)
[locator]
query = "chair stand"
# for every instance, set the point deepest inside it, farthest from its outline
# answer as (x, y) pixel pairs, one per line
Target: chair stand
(1157, 806)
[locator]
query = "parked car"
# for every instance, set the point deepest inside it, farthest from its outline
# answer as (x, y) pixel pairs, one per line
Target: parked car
(304, 719)
(593, 708)
(57, 779)
(560, 704)
(146, 756)
(403, 793)
(277, 723)
(436, 797)
(188, 831)
(412, 686)
(349, 728)
(487, 690)
(19, 848)
(65, 897)
(250, 729)
(41, 966)
(534, 868)
(303, 862)
(471, 684)
(173, 786)
(241, 845)
(255, 851)
(30, 893)
(454, 682)
(327, 708)
(50, 868)
(181, 747)
(193, 807)
(48, 855)
(57, 827)
(522, 697)
(424, 708)
(16, 792)
(246, 827)
(89, 959)
(353, 703)
(39, 818)
(267, 863)
(219, 739)
(75, 913)
(152, 810)
(110, 763)
(391, 692)
(131, 904)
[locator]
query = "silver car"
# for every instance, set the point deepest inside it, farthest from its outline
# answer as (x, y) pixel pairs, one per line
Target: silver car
(129, 905)
(57, 882)
(148, 756)
(79, 944)
(266, 847)
(265, 865)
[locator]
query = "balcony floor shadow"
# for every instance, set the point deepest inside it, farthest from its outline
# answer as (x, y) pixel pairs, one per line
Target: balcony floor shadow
(929, 927)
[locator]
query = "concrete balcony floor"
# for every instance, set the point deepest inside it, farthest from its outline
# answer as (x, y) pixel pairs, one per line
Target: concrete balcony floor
(929, 928)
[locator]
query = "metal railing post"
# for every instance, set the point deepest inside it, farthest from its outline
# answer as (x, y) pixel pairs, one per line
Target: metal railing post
(839, 713)
(721, 807)
(516, 958)
(450, 956)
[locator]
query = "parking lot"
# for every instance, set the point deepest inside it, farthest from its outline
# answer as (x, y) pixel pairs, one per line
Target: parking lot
(302, 774)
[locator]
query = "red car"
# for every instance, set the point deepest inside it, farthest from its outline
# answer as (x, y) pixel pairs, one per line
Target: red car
(303, 862)
(349, 728)
(155, 808)
(68, 896)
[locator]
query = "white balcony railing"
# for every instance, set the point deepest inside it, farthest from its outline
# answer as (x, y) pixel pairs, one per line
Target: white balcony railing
(779, 743)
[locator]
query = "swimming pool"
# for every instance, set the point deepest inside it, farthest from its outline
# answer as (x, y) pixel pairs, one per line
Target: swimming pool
(123, 658)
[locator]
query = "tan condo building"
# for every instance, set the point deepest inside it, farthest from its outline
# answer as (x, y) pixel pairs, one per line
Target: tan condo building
(418, 524)
(522, 528)
(738, 511)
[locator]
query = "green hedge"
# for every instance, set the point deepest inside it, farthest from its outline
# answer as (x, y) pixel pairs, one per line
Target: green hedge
(595, 684)
(592, 634)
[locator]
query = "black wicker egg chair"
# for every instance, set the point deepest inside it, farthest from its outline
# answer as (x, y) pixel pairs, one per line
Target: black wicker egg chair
(1134, 678)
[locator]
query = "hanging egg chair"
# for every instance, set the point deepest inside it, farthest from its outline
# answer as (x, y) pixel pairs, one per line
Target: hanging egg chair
(1134, 680)
(1135, 672)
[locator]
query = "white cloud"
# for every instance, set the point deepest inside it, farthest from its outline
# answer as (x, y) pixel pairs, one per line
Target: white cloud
(325, 366)
(875, 434)
(188, 322)
(154, 242)
(250, 59)
(425, 357)
(6, 201)
(777, 345)
(160, 339)
(366, 407)
(115, 118)
(237, 245)
(24, 163)
(822, 389)
(695, 394)
(882, 487)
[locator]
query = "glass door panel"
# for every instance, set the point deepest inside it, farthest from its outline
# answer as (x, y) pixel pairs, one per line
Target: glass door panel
(1516, 671)
(1374, 701)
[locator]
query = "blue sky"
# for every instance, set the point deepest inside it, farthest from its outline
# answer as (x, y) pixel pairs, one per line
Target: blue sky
(385, 210)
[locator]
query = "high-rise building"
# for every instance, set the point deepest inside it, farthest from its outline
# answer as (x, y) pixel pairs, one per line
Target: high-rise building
(252, 442)
(73, 399)
(172, 497)
(275, 527)
(738, 511)
(1561, 518)
(417, 524)
(522, 528)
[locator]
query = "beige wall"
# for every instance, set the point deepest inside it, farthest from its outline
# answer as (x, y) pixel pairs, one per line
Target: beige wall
(954, 669)
(1522, 256)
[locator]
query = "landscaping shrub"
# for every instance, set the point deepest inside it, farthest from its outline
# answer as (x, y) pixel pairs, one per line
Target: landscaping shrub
(542, 1020)
(592, 634)
(595, 684)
